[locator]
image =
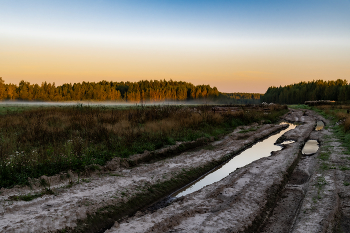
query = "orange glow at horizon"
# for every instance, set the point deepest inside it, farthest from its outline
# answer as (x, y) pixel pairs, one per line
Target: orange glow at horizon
(241, 67)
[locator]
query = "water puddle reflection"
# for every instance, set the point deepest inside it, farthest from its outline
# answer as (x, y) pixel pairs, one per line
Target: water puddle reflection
(310, 147)
(287, 142)
(319, 125)
(257, 151)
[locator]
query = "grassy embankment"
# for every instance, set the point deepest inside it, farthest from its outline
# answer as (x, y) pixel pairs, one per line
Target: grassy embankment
(50, 140)
(341, 119)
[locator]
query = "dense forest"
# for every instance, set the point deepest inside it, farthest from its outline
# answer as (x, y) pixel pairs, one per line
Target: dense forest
(298, 93)
(122, 91)
(239, 98)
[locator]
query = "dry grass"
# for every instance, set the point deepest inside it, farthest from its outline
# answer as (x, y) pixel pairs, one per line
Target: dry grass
(47, 141)
(341, 115)
(347, 124)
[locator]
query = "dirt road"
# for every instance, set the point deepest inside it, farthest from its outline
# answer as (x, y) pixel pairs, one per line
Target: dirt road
(286, 192)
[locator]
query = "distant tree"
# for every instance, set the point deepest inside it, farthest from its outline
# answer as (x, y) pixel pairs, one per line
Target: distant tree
(2, 89)
(143, 90)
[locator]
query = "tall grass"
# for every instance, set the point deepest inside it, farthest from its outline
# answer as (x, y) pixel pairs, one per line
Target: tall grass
(51, 140)
(339, 112)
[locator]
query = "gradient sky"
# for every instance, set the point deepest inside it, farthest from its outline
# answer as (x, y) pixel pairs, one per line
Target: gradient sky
(237, 46)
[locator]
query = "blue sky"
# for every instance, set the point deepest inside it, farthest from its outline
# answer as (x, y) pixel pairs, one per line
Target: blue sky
(228, 18)
(222, 28)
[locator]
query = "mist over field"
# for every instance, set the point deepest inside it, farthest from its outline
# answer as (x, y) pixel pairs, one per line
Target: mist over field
(97, 103)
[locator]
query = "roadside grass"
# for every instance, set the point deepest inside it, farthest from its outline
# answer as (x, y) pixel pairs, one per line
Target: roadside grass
(50, 140)
(30, 197)
(340, 119)
(299, 106)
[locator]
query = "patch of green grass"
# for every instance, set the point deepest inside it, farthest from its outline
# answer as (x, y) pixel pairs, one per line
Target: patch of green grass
(324, 156)
(30, 197)
(324, 166)
(321, 182)
(299, 106)
(344, 168)
(346, 183)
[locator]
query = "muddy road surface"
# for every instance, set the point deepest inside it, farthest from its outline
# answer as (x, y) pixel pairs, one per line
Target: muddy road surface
(284, 192)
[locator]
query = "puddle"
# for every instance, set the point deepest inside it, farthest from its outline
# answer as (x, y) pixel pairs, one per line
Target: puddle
(310, 147)
(257, 151)
(319, 125)
(287, 142)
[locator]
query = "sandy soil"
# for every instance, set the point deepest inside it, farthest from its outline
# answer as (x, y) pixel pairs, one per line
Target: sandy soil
(69, 205)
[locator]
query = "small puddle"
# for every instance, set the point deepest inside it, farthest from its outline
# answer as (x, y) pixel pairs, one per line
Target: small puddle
(319, 125)
(287, 142)
(257, 151)
(310, 147)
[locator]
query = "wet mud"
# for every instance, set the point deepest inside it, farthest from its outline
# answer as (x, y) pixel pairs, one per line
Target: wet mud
(243, 201)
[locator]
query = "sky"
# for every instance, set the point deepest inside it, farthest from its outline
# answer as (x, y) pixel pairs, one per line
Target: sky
(237, 46)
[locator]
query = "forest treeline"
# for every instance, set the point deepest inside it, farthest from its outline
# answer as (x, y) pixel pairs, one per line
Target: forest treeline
(121, 91)
(298, 93)
(240, 98)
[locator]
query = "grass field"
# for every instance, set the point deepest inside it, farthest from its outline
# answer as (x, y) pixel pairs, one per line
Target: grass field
(36, 141)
